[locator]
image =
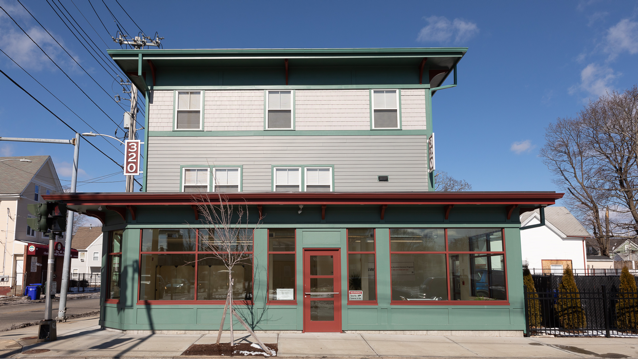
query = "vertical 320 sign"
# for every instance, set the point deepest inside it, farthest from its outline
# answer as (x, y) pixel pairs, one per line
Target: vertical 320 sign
(132, 158)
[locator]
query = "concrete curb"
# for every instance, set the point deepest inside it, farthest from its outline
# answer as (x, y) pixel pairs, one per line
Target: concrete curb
(71, 316)
(56, 299)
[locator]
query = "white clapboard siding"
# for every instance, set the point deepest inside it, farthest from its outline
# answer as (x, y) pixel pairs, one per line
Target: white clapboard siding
(160, 110)
(234, 110)
(413, 109)
(332, 110)
(357, 160)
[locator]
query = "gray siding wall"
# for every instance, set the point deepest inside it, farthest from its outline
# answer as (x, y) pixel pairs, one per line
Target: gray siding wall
(243, 110)
(357, 160)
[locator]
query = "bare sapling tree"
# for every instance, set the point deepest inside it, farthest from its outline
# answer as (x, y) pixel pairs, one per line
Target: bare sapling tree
(446, 183)
(229, 239)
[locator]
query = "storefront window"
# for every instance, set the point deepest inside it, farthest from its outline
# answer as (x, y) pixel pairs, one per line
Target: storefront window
(469, 266)
(114, 264)
(361, 266)
(281, 265)
(174, 267)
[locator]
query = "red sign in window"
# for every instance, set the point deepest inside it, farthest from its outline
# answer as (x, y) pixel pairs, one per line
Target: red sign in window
(132, 158)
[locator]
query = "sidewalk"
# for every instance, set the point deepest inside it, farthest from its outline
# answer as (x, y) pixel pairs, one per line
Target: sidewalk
(83, 338)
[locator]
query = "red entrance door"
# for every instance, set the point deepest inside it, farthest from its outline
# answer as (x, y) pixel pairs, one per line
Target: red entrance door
(322, 290)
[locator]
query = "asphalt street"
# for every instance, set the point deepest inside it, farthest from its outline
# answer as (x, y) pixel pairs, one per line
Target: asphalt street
(23, 313)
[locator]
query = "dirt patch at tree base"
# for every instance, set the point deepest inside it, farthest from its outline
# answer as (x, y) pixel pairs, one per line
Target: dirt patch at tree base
(225, 349)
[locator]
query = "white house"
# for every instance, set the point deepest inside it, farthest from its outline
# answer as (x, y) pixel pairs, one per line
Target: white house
(88, 242)
(556, 245)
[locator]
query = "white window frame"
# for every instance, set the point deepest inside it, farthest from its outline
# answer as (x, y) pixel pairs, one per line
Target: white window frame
(196, 168)
(292, 111)
(239, 187)
(96, 256)
(396, 93)
(305, 174)
(274, 176)
(201, 111)
(554, 269)
(82, 256)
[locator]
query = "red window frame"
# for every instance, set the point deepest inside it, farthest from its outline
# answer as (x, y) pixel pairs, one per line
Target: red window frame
(374, 253)
(196, 253)
(447, 254)
(109, 265)
(294, 253)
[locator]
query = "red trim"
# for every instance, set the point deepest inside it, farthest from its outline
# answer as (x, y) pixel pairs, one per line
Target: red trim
(322, 326)
(119, 210)
(286, 66)
(507, 292)
(383, 208)
(421, 70)
(150, 63)
(448, 208)
(260, 208)
(447, 267)
(132, 210)
(112, 301)
(323, 212)
(534, 199)
(196, 211)
(348, 252)
(451, 302)
(109, 265)
(510, 210)
(294, 253)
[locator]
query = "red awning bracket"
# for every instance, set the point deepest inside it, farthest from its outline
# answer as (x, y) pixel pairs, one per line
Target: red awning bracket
(286, 66)
(196, 211)
(97, 214)
(150, 63)
(132, 210)
(448, 208)
(510, 210)
(421, 70)
(323, 212)
(119, 210)
(383, 208)
(260, 208)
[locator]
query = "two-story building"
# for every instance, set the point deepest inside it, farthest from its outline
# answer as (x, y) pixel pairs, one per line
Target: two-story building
(331, 150)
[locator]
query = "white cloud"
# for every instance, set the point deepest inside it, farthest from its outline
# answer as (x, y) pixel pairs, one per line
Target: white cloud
(523, 146)
(622, 37)
(65, 169)
(6, 151)
(596, 17)
(595, 80)
(440, 29)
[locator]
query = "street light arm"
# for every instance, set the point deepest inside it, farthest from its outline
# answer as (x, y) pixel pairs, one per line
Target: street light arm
(91, 134)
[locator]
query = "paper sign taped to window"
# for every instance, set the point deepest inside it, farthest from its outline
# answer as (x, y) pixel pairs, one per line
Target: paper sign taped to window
(285, 294)
(355, 295)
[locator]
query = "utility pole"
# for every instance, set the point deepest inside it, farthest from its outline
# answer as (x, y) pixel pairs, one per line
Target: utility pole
(69, 231)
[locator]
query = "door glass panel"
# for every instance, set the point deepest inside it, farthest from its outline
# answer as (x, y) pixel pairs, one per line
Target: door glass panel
(322, 311)
(321, 265)
(322, 285)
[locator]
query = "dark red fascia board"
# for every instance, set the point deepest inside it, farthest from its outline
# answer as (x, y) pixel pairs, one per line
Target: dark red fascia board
(274, 198)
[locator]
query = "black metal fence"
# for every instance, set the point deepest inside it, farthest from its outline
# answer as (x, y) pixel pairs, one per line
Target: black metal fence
(84, 280)
(587, 313)
(584, 272)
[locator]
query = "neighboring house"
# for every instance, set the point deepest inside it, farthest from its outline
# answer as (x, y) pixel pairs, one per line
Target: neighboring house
(556, 245)
(23, 181)
(626, 254)
(329, 150)
(88, 265)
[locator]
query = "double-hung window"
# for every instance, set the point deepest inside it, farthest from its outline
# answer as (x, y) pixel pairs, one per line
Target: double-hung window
(226, 180)
(385, 114)
(279, 108)
(188, 112)
(195, 180)
(318, 179)
(287, 179)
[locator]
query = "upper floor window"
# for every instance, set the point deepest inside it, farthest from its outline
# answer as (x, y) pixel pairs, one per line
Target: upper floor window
(188, 114)
(385, 109)
(288, 179)
(30, 231)
(195, 180)
(279, 108)
(96, 256)
(226, 180)
(36, 196)
(318, 179)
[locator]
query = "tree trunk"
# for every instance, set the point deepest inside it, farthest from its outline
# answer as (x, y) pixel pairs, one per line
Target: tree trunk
(221, 326)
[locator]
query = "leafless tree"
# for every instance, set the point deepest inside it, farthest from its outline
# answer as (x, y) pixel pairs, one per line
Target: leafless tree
(80, 220)
(446, 183)
(229, 240)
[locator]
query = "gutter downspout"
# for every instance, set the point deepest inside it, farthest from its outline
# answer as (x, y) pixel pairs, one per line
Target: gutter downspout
(542, 212)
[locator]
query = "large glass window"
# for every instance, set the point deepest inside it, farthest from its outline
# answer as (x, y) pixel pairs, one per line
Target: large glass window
(281, 265)
(114, 264)
(180, 265)
(361, 266)
(447, 264)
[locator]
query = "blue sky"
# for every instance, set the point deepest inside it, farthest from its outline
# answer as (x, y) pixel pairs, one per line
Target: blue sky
(528, 63)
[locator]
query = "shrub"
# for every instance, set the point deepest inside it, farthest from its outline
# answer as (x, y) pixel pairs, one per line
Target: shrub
(627, 305)
(534, 317)
(570, 311)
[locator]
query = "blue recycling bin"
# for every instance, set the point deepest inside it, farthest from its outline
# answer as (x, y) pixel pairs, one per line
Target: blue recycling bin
(33, 292)
(35, 284)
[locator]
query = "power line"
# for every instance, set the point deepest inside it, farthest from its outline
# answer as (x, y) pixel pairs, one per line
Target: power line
(58, 66)
(99, 18)
(87, 20)
(129, 16)
(115, 19)
(61, 120)
(78, 116)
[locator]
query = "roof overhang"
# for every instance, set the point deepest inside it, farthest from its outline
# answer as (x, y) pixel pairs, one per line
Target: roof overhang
(137, 62)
